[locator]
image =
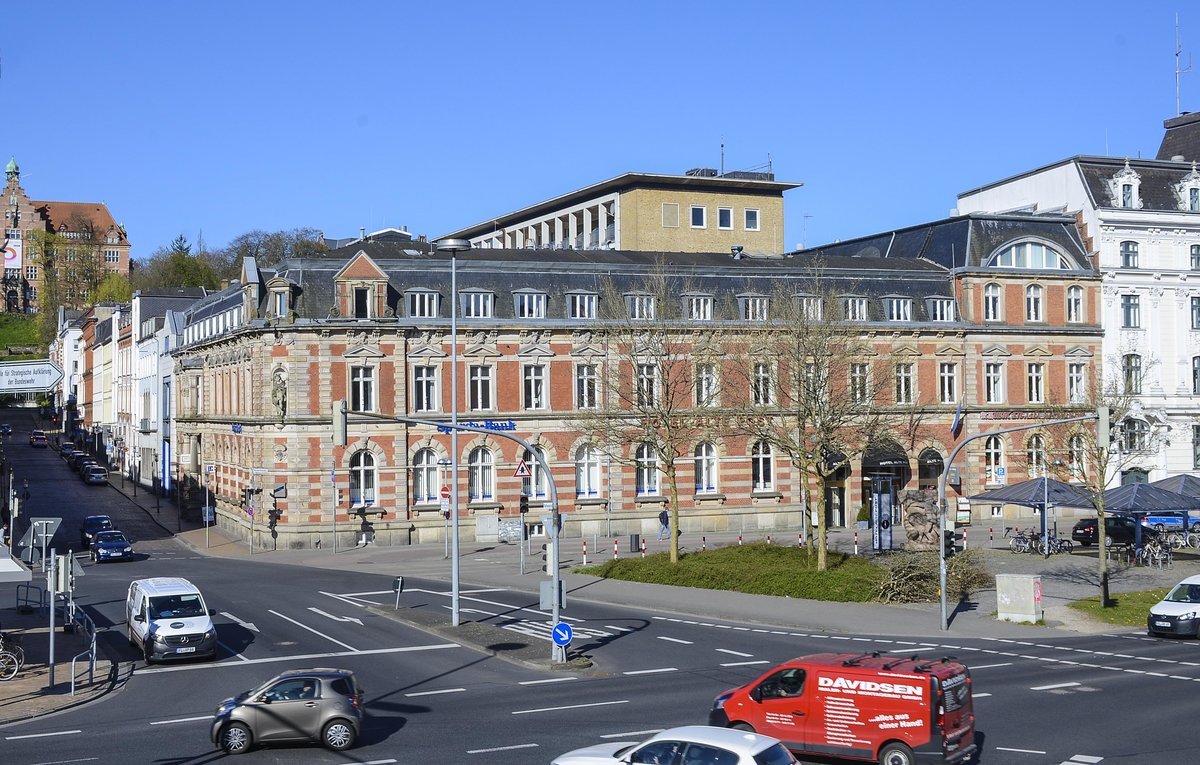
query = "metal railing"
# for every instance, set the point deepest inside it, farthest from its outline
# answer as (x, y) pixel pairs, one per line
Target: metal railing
(24, 592)
(84, 622)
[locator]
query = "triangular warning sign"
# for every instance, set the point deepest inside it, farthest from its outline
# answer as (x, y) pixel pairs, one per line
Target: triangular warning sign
(522, 470)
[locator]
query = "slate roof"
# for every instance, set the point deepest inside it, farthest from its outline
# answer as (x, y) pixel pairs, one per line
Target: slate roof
(158, 303)
(1155, 189)
(1182, 138)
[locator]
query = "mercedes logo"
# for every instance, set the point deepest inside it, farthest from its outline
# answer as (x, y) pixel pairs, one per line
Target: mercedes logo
(184, 639)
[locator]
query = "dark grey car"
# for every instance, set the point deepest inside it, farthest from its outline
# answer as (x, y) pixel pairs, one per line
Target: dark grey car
(324, 705)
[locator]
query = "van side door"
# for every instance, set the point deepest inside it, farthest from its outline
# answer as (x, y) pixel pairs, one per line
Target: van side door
(784, 700)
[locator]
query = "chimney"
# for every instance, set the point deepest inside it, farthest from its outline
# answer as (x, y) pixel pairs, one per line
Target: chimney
(224, 284)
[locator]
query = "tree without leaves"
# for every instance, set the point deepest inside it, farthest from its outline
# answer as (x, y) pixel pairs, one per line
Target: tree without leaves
(72, 265)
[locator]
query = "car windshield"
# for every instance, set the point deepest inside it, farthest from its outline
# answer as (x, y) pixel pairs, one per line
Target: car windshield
(775, 755)
(1184, 593)
(175, 606)
(99, 523)
(111, 536)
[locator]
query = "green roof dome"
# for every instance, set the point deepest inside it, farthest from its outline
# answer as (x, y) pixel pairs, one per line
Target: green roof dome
(11, 167)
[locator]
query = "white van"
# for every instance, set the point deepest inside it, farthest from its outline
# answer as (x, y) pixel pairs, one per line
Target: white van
(166, 618)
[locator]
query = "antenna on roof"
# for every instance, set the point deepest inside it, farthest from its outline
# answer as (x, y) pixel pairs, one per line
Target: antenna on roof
(1178, 71)
(722, 156)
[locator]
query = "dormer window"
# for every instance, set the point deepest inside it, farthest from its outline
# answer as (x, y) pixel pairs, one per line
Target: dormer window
(941, 309)
(1187, 191)
(477, 305)
(698, 307)
(279, 299)
(754, 308)
(581, 305)
(422, 304)
(531, 305)
(641, 307)
(898, 309)
(856, 309)
(1125, 189)
(1030, 255)
(810, 308)
(362, 302)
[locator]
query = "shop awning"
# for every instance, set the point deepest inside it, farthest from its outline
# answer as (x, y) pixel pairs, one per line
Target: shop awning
(885, 454)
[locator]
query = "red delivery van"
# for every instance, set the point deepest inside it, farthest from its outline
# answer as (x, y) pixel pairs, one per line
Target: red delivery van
(896, 711)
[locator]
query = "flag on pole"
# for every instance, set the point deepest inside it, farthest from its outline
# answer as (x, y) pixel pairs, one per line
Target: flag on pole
(956, 426)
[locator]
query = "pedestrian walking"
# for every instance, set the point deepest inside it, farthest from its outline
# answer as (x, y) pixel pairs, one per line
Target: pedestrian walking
(664, 522)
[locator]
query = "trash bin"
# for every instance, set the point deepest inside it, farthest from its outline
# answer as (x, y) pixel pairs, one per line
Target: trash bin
(635, 543)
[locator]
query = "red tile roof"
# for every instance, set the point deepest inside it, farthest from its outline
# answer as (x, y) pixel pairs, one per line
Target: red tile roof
(65, 213)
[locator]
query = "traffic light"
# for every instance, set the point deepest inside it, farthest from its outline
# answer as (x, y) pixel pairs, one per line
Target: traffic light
(341, 495)
(948, 548)
(339, 422)
(1103, 431)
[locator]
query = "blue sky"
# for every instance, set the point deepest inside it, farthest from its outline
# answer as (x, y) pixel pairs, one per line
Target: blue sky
(222, 117)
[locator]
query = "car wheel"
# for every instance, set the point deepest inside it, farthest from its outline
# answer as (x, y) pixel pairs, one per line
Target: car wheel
(743, 726)
(338, 735)
(147, 652)
(896, 753)
(235, 738)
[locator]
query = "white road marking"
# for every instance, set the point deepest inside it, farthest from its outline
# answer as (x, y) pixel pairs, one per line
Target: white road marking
(618, 629)
(650, 671)
(500, 748)
(42, 735)
(310, 629)
(570, 706)
(1085, 758)
(248, 625)
(991, 666)
(181, 719)
(335, 618)
(235, 653)
(980, 695)
(349, 600)
(547, 680)
(1022, 751)
(1052, 687)
(630, 733)
(434, 693)
(674, 640)
(734, 653)
(379, 762)
(65, 762)
(743, 663)
(294, 657)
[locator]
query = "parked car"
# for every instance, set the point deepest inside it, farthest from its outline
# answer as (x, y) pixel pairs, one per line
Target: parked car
(86, 464)
(96, 475)
(111, 545)
(690, 743)
(5, 429)
(75, 458)
(38, 439)
(1120, 530)
(93, 525)
(324, 705)
(1179, 521)
(1177, 613)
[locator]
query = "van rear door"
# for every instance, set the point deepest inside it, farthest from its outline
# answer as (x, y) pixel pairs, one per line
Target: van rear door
(957, 709)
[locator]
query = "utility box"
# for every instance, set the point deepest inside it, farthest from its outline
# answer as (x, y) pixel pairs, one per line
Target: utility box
(1019, 598)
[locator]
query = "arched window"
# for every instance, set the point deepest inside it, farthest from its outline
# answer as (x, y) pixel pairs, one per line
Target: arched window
(534, 485)
(647, 470)
(706, 469)
(1131, 373)
(1135, 435)
(1196, 375)
(1035, 453)
(1074, 304)
(362, 479)
(1029, 255)
(1033, 303)
(993, 460)
(762, 467)
(480, 475)
(1129, 254)
(1077, 457)
(587, 472)
(991, 302)
(425, 477)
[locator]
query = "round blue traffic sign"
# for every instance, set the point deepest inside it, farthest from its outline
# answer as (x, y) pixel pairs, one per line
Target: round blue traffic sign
(562, 634)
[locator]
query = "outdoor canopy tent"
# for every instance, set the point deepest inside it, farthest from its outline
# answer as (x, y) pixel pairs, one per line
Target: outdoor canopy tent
(1036, 492)
(1147, 498)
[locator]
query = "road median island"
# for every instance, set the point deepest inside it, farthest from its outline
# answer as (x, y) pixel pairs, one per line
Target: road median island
(516, 647)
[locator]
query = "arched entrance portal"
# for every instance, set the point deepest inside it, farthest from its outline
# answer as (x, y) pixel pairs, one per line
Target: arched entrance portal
(835, 491)
(885, 468)
(930, 466)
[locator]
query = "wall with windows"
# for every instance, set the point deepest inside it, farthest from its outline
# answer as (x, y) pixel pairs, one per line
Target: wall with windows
(671, 220)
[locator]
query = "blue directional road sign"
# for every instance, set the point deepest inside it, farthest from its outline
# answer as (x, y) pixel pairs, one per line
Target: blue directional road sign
(562, 634)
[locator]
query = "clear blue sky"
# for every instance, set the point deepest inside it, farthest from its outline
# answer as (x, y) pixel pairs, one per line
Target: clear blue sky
(224, 117)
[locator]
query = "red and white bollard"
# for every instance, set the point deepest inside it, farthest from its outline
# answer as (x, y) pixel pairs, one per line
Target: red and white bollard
(739, 539)
(614, 549)
(703, 544)
(991, 536)
(964, 539)
(585, 552)
(856, 542)
(799, 540)
(643, 548)
(768, 539)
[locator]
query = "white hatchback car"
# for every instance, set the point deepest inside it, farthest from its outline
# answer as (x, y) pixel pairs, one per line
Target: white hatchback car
(699, 744)
(1177, 613)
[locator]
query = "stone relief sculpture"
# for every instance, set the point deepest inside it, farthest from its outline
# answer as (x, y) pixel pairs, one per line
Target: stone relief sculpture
(279, 392)
(920, 515)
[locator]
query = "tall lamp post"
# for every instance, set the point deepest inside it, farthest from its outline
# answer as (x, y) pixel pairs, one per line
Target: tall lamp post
(453, 246)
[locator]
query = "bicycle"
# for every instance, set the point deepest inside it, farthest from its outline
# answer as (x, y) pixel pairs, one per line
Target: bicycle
(1053, 545)
(1155, 552)
(11, 643)
(1018, 542)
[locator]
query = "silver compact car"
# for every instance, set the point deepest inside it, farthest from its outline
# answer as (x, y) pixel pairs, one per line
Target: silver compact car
(691, 743)
(324, 705)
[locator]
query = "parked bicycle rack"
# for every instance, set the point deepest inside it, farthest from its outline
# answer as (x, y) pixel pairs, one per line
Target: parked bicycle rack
(26, 601)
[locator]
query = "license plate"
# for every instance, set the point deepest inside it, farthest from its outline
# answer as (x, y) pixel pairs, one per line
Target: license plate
(1162, 624)
(190, 649)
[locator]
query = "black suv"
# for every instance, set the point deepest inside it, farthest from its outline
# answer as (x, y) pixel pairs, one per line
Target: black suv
(1119, 530)
(93, 525)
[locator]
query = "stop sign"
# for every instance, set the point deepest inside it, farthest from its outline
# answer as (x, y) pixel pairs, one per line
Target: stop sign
(445, 492)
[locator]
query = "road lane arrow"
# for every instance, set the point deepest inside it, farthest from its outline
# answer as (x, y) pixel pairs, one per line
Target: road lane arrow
(336, 618)
(248, 625)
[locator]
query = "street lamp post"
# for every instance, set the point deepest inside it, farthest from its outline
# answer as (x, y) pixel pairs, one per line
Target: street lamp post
(454, 246)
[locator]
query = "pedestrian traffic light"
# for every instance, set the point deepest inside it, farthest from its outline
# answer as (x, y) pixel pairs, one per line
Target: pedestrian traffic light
(339, 422)
(1103, 432)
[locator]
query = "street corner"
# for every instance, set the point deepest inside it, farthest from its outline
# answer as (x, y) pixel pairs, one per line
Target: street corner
(516, 647)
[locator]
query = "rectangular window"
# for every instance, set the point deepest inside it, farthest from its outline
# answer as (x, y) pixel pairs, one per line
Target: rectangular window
(647, 384)
(281, 303)
(858, 383)
(670, 215)
(477, 305)
(751, 219)
(31, 273)
(756, 308)
(993, 377)
(1127, 195)
(362, 389)
(585, 386)
(947, 382)
(480, 388)
(1129, 254)
(1036, 383)
(1074, 304)
(112, 256)
(898, 309)
(1076, 393)
(534, 386)
(1194, 200)
(422, 305)
(941, 309)
(1194, 261)
(531, 305)
(425, 389)
(725, 217)
(699, 308)
(699, 216)
(1196, 447)
(1195, 305)
(762, 385)
(706, 385)
(362, 302)
(904, 383)
(641, 307)
(810, 308)
(1131, 312)
(856, 309)
(581, 306)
